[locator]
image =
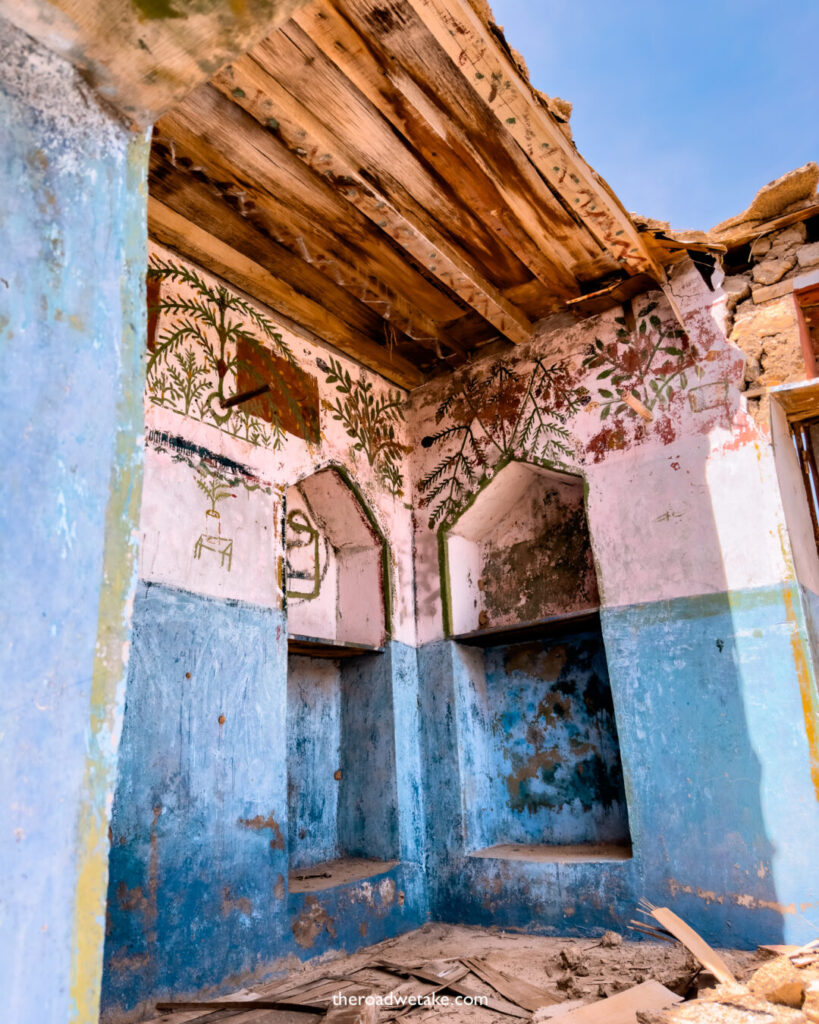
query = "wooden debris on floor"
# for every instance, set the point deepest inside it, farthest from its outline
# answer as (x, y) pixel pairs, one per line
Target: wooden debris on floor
(623, 1007)
(783, 990)
(694, 943)
(516, 990)
(676, 981)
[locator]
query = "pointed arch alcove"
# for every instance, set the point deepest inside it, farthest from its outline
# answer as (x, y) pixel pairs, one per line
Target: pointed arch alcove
(541, 754)
(342, 788)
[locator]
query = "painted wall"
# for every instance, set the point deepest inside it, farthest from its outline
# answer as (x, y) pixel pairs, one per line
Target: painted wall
(198, 850)
(227, 771)
(313, 759)
(72, 315)
(706, 635)
(701, 622)
(342, 787)
(542, 713)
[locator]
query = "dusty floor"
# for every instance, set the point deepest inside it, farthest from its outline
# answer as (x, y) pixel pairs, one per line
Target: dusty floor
(571, 970)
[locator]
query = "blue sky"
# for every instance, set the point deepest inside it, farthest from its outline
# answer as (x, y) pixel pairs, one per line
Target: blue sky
(686, 107)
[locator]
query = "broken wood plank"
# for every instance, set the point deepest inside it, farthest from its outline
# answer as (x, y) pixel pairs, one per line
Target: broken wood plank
(456, 986)
(192, 241)
(694, 943)
(511, 197)
(490, 72)
(516, 990)
(419, 990)
(623, 1007)
(409, 226)
(245, 1005)
(655, 933)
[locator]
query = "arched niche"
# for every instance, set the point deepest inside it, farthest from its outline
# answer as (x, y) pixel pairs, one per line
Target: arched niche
(536, 717)
(341, 774)
(520, 554)
(336, 581)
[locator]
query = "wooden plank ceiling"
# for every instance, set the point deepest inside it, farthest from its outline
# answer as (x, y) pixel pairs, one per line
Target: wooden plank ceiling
(382, 174)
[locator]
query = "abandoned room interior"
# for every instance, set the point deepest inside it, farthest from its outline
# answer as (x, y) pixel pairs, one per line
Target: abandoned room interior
(410, 556)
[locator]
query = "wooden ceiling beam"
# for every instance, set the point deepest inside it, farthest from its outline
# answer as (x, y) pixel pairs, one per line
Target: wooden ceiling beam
(257, 92)
(492, 75)
(196, 199)
(414, 86)
(363, 137)
(194, 242)
(349, 269)
(408, 113)
(233, 148)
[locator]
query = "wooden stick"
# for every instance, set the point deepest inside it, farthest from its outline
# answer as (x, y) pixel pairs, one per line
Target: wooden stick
(240, 1004)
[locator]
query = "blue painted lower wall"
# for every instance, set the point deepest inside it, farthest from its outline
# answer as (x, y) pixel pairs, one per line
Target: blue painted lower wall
(198, 898)
(538, 721)
(713, 706)
(712, 698)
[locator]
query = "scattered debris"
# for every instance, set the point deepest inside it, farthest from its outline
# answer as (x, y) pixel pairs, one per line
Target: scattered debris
(623, 1008)
(529, 978)
(708, 957)
(520, 992)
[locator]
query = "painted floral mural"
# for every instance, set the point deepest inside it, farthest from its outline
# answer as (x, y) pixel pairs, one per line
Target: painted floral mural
(648, 365)
(371, 420)
(207, 342)
(491, 419)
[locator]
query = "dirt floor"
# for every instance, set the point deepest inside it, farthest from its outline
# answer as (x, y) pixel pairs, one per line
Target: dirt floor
(545, 979)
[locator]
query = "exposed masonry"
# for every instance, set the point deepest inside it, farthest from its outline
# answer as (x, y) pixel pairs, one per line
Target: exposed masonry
(762, 312)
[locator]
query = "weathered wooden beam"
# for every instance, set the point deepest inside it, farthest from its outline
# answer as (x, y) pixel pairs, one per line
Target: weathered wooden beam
(528, 220)
(363, 137)
(231, 146)
(143, 56)
(197, 201)
(414, 86)
(256, 91)
(210, 252)
(308, 239)
(492, 75)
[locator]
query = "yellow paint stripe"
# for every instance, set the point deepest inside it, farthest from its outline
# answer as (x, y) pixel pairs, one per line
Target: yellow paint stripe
(807, 690)
(113, 615)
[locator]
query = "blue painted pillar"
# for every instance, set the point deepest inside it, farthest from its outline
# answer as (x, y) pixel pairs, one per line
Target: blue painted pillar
(72, 310)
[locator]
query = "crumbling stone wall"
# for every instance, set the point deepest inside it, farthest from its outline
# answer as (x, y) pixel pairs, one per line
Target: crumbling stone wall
(762, 310)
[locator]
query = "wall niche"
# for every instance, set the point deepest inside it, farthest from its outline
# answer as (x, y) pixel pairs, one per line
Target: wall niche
(335, 565)
(536, 717)
(342, 803)
(521, 552)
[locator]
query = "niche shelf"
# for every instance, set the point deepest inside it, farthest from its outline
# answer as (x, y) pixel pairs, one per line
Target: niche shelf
(544, 772)
(552, 626)
(539, 853)
(336, 584)
(315, 647)
(342, 789)
(331, 873)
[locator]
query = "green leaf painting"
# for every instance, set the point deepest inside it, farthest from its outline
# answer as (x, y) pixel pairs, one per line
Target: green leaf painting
(193, 366)
(650, 363)
(502, 415)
